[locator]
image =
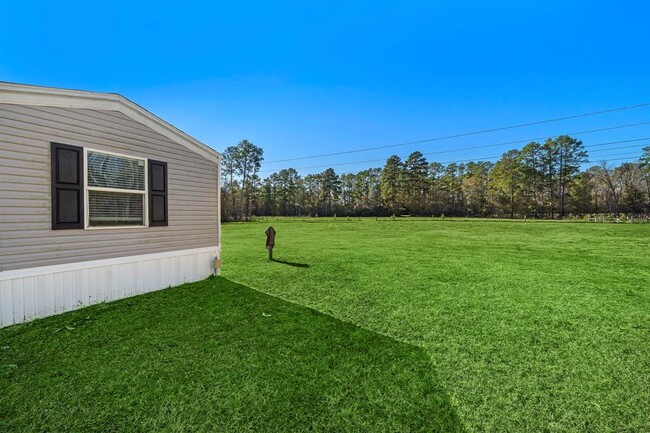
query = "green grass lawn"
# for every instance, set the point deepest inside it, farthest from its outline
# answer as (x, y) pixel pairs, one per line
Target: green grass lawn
(360, 326)
(214, 356)
(537, 326)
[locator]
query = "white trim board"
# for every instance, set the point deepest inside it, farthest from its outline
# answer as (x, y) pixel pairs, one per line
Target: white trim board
(27, 294)
(42, 270)
(21, 94)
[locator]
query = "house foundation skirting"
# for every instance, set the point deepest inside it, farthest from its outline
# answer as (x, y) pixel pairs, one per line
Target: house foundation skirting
(27, 294)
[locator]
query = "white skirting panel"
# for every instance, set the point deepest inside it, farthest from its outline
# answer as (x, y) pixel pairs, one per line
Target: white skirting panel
(27, 294)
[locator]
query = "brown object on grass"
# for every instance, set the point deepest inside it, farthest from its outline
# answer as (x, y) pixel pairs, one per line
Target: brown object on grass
(270, 240)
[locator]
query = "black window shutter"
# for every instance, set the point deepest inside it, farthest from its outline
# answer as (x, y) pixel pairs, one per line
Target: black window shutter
(67, 187)
(157, 193)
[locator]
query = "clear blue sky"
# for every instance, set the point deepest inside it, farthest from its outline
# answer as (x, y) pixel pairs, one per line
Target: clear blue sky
(304, 78)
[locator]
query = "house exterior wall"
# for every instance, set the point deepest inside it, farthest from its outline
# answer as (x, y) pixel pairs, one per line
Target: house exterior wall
(27, 294)
(26, 237)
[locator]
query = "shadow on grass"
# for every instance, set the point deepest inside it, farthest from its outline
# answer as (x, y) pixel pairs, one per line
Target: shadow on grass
(294, 264)
(214, 356)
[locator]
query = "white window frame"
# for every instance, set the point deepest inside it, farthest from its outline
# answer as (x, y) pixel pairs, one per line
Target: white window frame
(145, 193)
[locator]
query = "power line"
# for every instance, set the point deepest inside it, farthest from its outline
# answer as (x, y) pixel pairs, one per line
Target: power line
(618, 154)
(617, 142)
(488, 158)
(485, 159)
(617, 147)
(615, 159)
(480, 147)
(467, 134)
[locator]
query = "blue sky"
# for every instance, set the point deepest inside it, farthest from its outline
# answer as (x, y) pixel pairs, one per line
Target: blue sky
(306, 78)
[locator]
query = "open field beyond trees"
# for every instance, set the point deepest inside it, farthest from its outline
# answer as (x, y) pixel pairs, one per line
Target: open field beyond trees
(392, 325)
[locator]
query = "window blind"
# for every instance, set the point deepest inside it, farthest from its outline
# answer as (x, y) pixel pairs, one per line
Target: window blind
(112, 171)
(115, 209)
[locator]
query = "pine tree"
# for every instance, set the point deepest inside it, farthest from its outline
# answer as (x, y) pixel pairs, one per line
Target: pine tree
(533, 178)
(391, 183)
(571, 155)
(416, 171)
(248, 159)
(330, 190)
(507, 181)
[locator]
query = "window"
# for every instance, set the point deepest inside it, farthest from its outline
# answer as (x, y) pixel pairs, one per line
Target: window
(116, 190)
(93, 189)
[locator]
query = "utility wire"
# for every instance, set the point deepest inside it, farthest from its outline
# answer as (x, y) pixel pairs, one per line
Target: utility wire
(485, 159)
(488, 158)
(618, 154)
(467, 134)
(471, 148)
(617, 148)
(615, 159)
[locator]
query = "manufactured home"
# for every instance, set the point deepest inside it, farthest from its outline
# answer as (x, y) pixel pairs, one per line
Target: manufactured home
(99, 200)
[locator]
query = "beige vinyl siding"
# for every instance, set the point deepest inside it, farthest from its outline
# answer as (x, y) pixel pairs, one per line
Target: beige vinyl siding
(26, 238)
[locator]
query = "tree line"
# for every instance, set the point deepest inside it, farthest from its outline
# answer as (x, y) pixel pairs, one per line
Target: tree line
(542, 180)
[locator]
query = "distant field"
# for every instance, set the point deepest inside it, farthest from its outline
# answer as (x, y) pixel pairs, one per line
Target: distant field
(530, 326)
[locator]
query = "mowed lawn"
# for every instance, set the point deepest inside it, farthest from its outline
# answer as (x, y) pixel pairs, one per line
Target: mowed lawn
(213, 356)
(529, 326)
(359, 326)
